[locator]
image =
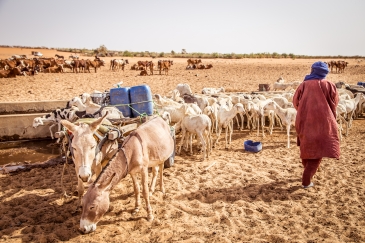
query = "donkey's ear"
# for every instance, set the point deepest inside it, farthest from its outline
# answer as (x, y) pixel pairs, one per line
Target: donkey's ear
(106, 185)
(95, 125)
(69, 126)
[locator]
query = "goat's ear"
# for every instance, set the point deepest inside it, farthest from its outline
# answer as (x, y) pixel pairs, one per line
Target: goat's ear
(95, 125)
(69, 126)
(106, 185)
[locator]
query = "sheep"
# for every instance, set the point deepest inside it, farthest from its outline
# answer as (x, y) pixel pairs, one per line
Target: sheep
(225, 119)
(287, 116)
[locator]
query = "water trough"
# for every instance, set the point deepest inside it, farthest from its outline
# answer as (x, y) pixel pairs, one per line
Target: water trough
(20, 143)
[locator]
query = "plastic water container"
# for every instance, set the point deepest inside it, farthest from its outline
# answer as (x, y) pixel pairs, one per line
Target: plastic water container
(119, 97)
(141, 100)
(361, 84)
(252, 146)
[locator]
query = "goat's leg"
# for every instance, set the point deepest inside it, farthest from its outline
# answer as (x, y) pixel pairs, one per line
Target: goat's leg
(201, 138)
(242, 121)
(154, 178)
(50, 129)
(288, 134)
(182, 140)
(144, 175)
(191, 142)
(230, 132)
(136, 194)
(218, 135)
(238, 123)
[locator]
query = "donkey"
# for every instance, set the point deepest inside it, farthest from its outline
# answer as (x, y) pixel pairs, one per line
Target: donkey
(87, 154)
(59, 57)
(148, 146)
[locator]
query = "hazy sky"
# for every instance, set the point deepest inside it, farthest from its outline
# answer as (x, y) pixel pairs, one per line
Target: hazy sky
(322, 27)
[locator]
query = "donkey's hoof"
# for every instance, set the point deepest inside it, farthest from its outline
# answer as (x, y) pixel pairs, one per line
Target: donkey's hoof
(135, 211)
(150, 218)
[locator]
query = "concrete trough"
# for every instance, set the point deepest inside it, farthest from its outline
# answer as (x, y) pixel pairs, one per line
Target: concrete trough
(19, 127)
(28, 107)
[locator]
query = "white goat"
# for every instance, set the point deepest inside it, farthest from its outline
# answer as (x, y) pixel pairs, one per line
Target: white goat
(55, 117)
(96, 110)
(201, 126)
(287, 116)
(225, 119)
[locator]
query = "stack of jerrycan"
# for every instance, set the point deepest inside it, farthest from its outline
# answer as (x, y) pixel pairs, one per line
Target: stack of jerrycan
(132, 101)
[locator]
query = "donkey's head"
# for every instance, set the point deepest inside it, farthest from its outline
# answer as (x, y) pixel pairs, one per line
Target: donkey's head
(95, 204)
(83, 146)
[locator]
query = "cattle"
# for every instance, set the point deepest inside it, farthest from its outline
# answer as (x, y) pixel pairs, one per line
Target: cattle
(338, 65)
(58, 69)
(69, 64)
(193, 61)
(116, 64)
(46, 62)
(79, 65)
(151, 65)
(165, 65)
(143, 73)
(10, 73)
(209, 66)
(95, 64)
(143, 64)
(341, 65)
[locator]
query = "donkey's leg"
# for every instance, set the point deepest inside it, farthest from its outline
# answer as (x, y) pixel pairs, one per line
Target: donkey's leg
(162, 186)
(145, 192)
(154, 178)
(136, 194)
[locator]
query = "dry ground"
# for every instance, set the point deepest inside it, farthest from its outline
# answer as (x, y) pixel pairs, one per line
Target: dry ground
(244, 197)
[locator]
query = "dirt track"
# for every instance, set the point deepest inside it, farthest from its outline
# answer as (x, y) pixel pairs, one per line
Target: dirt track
(244, 197)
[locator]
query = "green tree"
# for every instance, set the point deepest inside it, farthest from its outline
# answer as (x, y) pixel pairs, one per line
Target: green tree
(161, 54)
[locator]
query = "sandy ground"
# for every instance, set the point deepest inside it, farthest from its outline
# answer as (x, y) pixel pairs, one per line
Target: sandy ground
(243, 197)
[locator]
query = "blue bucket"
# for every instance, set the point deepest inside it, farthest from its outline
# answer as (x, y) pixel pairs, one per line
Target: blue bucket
(252, 146)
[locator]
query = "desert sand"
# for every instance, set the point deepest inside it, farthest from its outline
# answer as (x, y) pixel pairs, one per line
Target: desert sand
(243, 197)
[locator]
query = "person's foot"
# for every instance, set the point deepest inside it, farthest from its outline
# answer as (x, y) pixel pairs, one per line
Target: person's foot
(310, 185)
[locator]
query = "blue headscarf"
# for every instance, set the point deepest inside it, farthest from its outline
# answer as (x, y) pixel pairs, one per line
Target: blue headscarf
(319, 71)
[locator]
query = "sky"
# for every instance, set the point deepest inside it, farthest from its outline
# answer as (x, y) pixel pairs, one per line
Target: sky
(315, 28)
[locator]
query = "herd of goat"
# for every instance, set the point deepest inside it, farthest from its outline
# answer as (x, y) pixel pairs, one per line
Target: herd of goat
(213, 110)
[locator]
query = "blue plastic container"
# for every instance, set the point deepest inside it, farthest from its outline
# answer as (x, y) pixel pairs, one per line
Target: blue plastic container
(252, 146)
(141, 100)
(361, 84)
(119, 97)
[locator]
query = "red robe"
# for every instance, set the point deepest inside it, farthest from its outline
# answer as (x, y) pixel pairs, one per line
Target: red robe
(316, 126)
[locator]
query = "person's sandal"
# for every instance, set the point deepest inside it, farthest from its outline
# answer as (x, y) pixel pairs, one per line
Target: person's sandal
(310, 185)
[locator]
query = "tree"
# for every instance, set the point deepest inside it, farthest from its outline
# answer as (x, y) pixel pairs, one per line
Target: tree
(172, 52)
(183, 51)
(102, 49)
